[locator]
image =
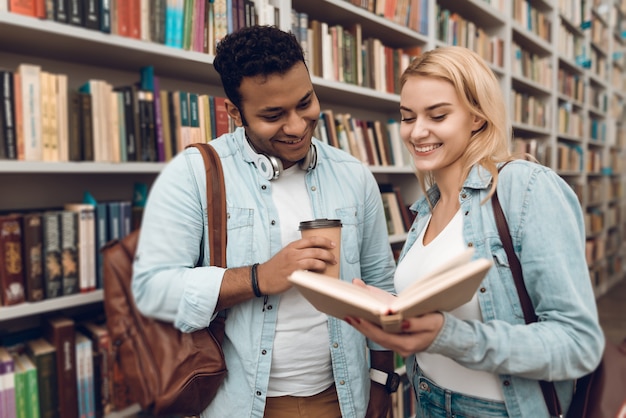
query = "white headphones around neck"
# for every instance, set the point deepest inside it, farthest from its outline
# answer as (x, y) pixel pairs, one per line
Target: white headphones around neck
(271, 167)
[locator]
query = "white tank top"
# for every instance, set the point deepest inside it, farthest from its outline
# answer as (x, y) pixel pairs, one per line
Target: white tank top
(442, 370)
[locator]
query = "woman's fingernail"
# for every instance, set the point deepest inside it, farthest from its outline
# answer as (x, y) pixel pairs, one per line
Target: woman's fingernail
(348, 321)
(405, 324)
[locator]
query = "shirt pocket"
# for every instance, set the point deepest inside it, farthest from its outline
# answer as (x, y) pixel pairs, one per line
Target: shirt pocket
(350, 233)
(506, 280)
(240, 230)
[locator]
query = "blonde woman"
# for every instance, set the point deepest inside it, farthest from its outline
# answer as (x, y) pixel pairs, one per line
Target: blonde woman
(482, 360)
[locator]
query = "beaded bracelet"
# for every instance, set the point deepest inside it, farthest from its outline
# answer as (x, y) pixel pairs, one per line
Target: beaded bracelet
(254, 280)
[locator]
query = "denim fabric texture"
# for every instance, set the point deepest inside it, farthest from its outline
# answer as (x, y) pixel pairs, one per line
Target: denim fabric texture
(166, 285)
(434, 401)
(547, 228)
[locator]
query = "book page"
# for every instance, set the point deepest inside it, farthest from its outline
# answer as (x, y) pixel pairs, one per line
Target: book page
(338, 298)
(445, 292)
(424, 281)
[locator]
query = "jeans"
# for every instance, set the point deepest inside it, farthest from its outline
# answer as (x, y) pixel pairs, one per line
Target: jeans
(436, 402)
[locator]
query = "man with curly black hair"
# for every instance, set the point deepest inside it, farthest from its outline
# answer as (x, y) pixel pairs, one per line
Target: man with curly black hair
(284, 358)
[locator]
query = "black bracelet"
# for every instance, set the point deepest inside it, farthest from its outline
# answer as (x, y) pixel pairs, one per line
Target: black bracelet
(254, 280)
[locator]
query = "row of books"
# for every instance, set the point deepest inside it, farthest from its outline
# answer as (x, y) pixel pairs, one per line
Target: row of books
(375, 143)
(397, 214)
(531, 66)
(530, 109)
(571, 85)
(53, 253)
(194, 25)
(532, 19)
(42, 120)
(412, 14)
(342, 53)
(65, 369)
(453, 29)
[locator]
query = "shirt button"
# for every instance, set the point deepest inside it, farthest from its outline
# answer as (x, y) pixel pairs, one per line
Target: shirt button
(464, 195)
(335, 345)
(258, 393)
(269, 307)
(470, 244)
(506, 383)
(263, 187)
(483, 290)
(273, 222)
(264, 352)
(467, 213)
(313, 188)
(342, 382)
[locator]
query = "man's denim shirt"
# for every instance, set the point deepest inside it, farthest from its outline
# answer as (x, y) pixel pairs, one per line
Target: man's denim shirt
(548, 233)
(166, 285)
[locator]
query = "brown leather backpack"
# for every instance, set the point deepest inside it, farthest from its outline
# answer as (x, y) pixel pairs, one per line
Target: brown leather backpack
(165, 370)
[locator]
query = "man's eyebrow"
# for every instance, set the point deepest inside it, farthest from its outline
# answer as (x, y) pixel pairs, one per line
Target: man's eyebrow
(306, 96)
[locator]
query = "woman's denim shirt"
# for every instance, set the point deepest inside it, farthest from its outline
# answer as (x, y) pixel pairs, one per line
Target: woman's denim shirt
(166, 285)
(547, 228)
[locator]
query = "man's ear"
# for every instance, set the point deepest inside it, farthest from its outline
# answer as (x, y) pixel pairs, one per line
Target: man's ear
(233, 112)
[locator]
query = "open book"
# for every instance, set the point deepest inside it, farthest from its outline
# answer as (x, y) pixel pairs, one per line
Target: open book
(444, 289)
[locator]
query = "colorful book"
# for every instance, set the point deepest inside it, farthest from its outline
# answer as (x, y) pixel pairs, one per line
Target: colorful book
(26, 387)
(59, 331)
(69, 252)
(53, 266)
(7, 113)
(221, 117)
(43, 355)
(102, 366)
(86, 224)
(11, 268)
(7, 375)
(30, 79)
(32, 232)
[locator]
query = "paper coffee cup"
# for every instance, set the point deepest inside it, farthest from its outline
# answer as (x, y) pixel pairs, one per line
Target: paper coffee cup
(329, 228)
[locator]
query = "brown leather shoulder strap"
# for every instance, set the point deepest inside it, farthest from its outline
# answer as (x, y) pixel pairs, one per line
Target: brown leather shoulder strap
(216, 203)
(547, 388)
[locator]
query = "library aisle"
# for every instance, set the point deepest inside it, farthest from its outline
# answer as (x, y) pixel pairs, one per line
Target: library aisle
(613, 313)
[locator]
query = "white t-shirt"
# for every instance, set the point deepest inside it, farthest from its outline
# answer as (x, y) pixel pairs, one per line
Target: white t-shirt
(444, 371)
(301, 363)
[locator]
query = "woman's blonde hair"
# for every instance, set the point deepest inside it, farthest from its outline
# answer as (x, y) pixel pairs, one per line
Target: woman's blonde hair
(479, 91)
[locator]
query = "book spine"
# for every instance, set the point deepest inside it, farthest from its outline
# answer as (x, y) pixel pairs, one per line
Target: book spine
(53, 270)
(102, 237)
(8, 114)
(21, 408)
(75, 13)
(80, 375)
(114, 220)
(31, 110)
(75, 145)
(33, 257)
(61, 334)
(69, 252)
(11, 270)
(86, 125)
(43, 356)
(125, 212)
(221, 117)
(105, 16)
(158, 120)
(8, 382)
(185, 123)
(91, 14)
